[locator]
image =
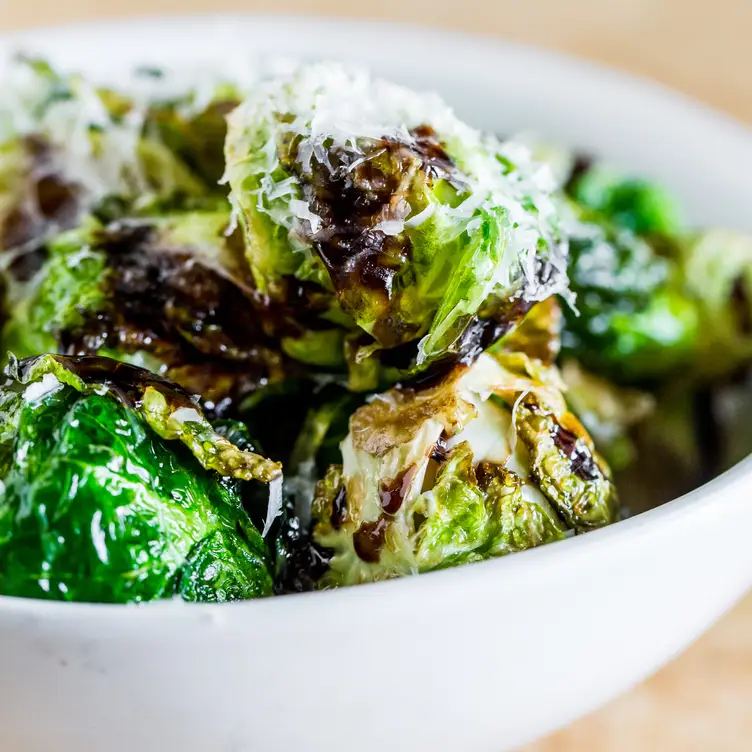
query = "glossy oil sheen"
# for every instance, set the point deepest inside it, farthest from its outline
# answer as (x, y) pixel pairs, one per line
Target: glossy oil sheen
(96, 507)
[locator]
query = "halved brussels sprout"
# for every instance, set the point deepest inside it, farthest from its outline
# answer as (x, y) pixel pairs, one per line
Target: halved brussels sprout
(487, 462)
(171, 293)
(69, 148)
(372, 209)
(716, 268)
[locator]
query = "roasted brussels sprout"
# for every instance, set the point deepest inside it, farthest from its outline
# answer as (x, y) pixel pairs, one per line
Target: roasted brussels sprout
(716, 269)
(487, 462)
(632, 318)
(171, 293)
(406, 314)
(655, 301)
(635, 204)
(115, 488)
(651, 309)
(68, 149)
(538, 335)
(373, 215)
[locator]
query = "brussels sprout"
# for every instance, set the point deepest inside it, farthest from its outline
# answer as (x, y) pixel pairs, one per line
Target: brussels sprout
(638, 205)
(371, 208)
(654, 300)
(633, 318)
(195, 132)
(169, 293)
(68, 149)
(115, 488)
(650, 309)
(487, 462)
(716, 268)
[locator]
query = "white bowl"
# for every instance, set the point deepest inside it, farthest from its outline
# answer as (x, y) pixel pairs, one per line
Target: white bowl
(483, 657)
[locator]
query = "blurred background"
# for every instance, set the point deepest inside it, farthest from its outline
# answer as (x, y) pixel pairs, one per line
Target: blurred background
(702, 700)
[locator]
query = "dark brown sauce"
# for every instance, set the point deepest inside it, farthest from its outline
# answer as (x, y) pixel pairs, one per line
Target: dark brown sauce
(167, 295)
(295, 309)
(352, 194)
(439, 452)
(195, 319)
(484, 330)
(392, 492)
(436, 162)
(578, 453)
(369, 539)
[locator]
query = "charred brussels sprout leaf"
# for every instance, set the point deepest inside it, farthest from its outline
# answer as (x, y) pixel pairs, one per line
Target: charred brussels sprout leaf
(417, 232)
(487, 462)
(564, 464)
(538, 335)
(99, 504)
(195, 134)
(170, 293)
(167, 409)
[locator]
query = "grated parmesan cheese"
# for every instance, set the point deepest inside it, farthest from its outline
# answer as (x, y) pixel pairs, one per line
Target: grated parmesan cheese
(186, 415)
(327, 106)
(38, 390)
(275, 504)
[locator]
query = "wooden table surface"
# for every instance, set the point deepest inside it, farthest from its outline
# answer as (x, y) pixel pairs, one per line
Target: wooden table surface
(703, 700)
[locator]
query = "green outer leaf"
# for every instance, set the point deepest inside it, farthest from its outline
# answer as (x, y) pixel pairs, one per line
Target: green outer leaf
(460, 524)
(211, 449)
(716, 268)
(470, 283)
(96, 507)
(516, 524)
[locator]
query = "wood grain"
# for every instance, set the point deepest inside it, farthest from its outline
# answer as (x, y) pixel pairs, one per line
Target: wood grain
(703, 700)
